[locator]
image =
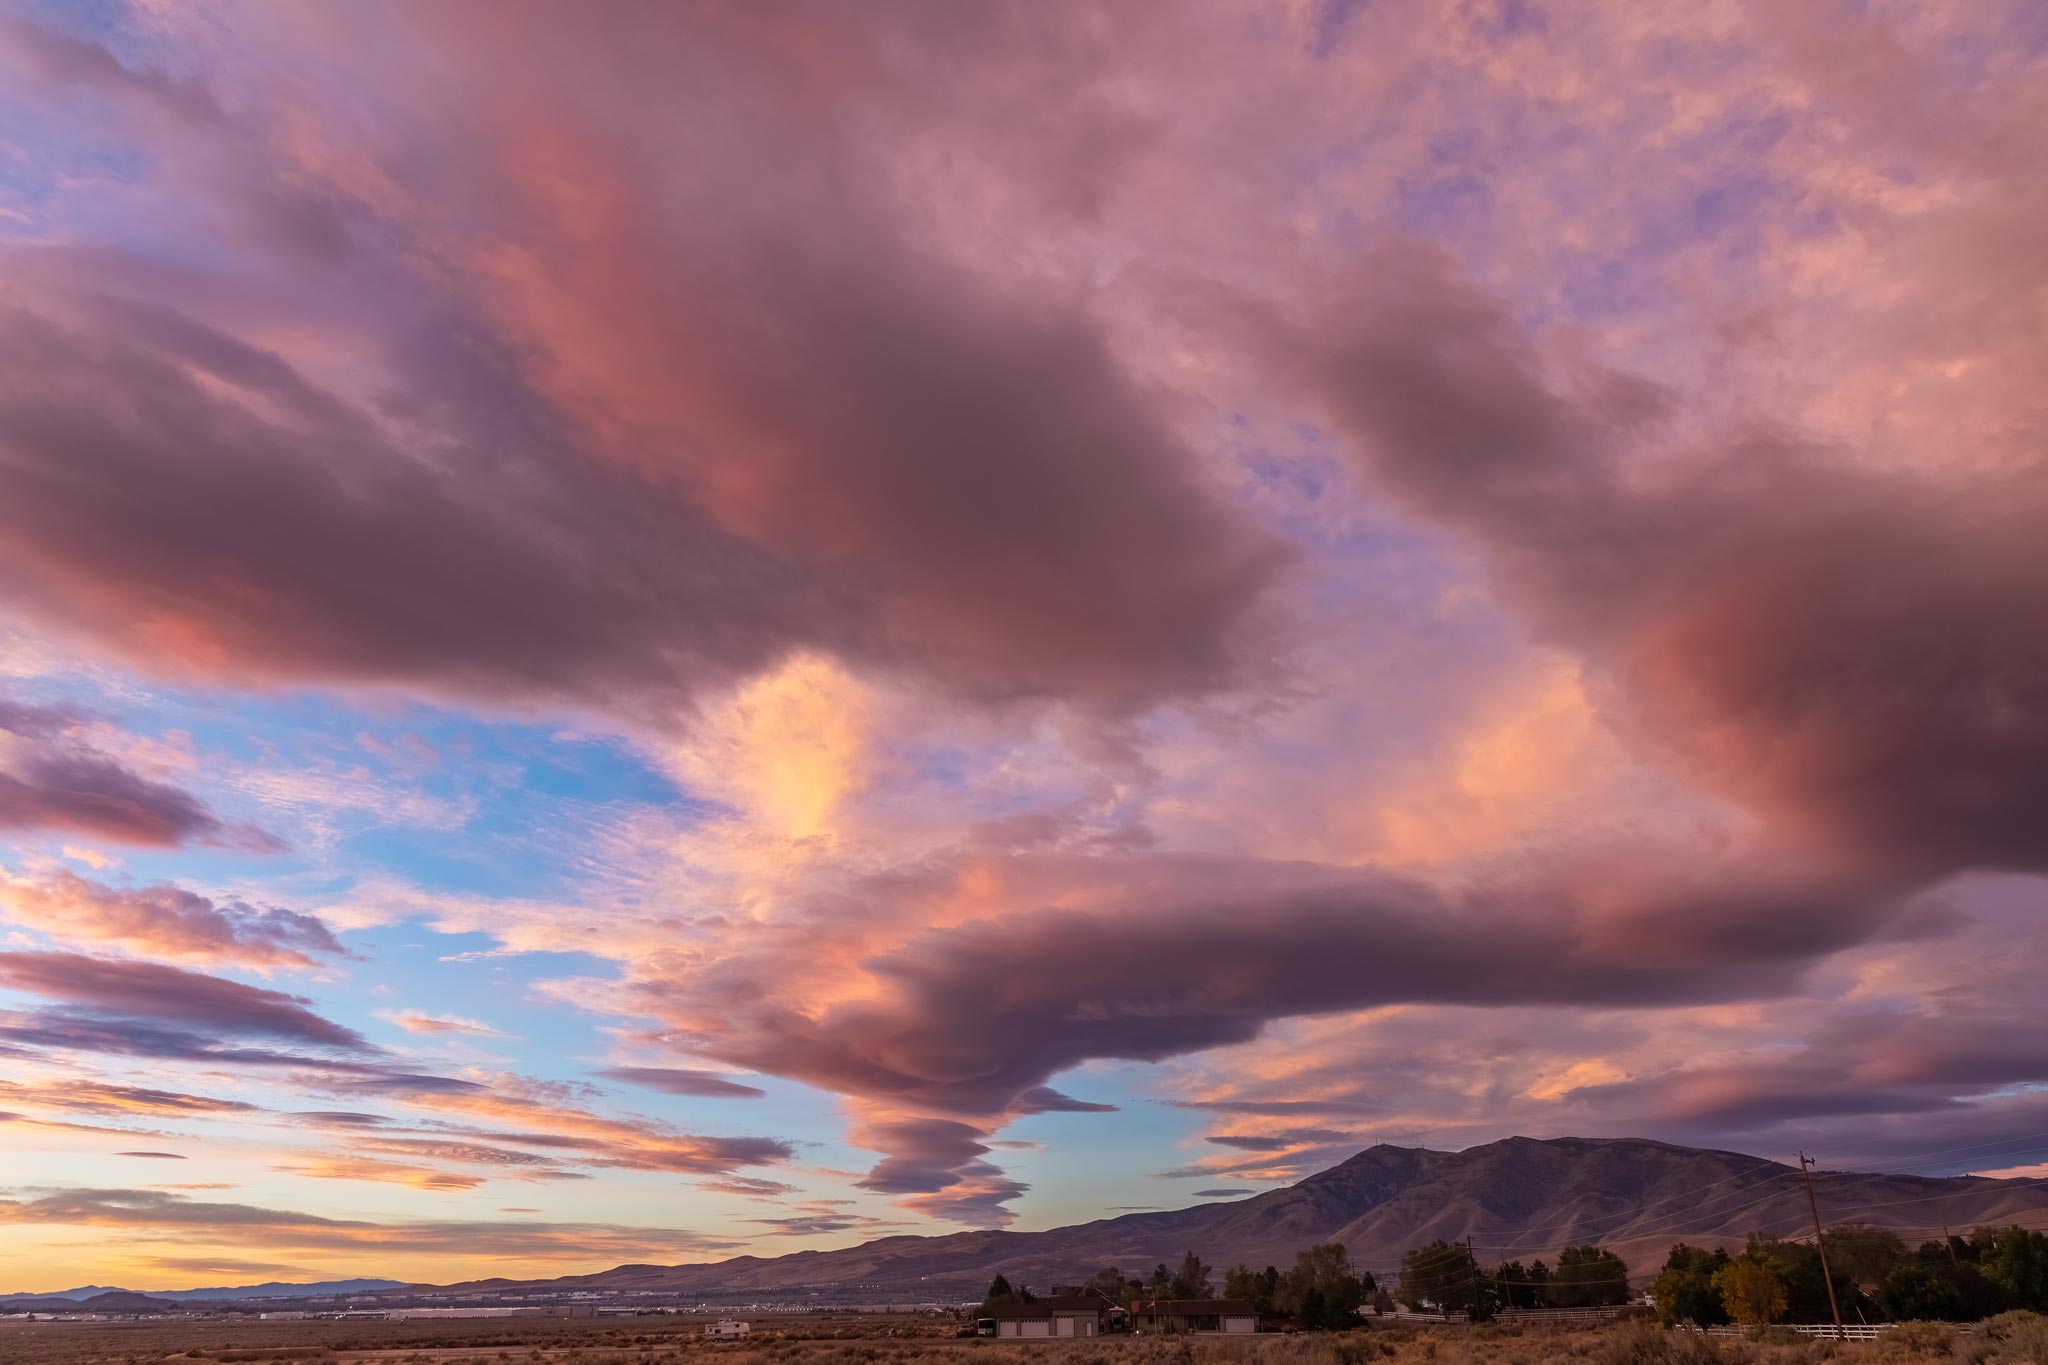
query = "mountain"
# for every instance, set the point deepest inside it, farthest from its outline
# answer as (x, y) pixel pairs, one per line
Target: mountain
(1517, 1198)
(278, 1289)
(272, 1289)
(124, 1301)
(82, 1292)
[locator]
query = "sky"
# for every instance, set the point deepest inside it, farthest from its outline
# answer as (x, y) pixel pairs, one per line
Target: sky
(640, 633)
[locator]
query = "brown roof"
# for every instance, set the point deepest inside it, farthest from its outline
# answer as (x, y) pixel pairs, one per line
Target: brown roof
(1199, 1308)
(1045, 1308)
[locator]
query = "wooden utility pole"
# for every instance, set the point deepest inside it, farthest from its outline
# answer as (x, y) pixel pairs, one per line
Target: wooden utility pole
(1820, 1241)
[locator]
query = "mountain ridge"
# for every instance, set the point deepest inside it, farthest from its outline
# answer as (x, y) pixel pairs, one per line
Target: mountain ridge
(269, 1289)
(1517, 1198)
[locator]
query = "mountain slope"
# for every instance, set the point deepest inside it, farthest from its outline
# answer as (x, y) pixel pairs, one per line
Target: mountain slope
(270, 1289)
(1517, 1198)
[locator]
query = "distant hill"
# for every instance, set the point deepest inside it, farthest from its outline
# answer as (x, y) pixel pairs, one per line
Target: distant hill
(82, 1292)
(124, 1301)
(1517, 1198)
(278, 1289)
(273, 1289)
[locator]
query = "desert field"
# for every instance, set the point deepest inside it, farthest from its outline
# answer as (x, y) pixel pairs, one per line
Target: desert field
(2015, 1339)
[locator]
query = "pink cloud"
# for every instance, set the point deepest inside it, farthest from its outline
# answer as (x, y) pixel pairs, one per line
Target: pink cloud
(50, 778)
(168, 921)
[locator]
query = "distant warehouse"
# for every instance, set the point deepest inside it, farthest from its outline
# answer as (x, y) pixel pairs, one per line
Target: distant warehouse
(557, 1310)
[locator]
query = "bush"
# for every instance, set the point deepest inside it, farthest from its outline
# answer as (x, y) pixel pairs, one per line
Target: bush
(2021, 1338)
(1915, 1341)
(1634, 1343)
(1692, 1348)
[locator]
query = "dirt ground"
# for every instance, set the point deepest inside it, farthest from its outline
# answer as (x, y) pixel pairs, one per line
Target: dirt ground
(2017, 1339)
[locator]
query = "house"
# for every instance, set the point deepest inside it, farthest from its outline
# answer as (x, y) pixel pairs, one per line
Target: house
(1196, 1315)
(1080, 1315)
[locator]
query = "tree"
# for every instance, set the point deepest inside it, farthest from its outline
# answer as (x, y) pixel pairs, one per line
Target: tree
(1323, 1289)
(1751, 1292)
(1587, 1277)
(1442, 1275)
(1920, 1290)
(1517, 1286)
(1191, 1281)
(2017, 1261)
(1000, 1295)
(1685, 1290)
(1111, 1284)
(1242, 1282)
(1863, 1254)
(1798, 1268)
(1162, 1281)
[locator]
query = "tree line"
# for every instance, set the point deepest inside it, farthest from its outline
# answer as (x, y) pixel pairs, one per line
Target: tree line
(1323, 1289)
(1958, 1279)
(1445, 1277)
(1875, 1276)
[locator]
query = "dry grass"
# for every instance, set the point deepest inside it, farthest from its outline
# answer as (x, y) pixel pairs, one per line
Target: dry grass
(2017, 1339)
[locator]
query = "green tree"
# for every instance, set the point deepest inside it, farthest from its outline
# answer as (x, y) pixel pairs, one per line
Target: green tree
(1587, 1277)
(1511, 1287)
(1685, 1290)
(1863, 1254)
(1162, 1281)
(1798, 1268)
(1192, 1281)
(2017, 1261)
(1111, 1284)
(1751, 1292)
(1242, 1282)
(1000, 1295)
(1323, 1289)
(1920, 1290)
(1442, 1275)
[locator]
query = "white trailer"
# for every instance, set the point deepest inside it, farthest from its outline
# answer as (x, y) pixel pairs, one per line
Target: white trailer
(727, 1329)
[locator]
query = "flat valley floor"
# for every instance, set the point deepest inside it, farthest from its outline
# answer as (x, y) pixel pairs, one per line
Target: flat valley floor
(2015, 1339)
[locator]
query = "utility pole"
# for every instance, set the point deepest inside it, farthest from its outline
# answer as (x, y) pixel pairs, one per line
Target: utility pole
(1820, 1241)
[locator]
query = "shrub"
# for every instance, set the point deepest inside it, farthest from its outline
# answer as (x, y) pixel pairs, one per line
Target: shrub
(1915, 1341)
(1634, 1343)
(2021, 1338)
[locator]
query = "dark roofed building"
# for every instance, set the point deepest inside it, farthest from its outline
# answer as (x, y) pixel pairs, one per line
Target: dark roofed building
(1078, 1315)
(1196, 1315)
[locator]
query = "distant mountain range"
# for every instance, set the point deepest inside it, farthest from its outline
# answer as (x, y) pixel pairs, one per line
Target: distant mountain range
(1519, 1198)
(90, 1296)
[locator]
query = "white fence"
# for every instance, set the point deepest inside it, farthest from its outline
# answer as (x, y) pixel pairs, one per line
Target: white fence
(1858, 1331)
(1565, 1315)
